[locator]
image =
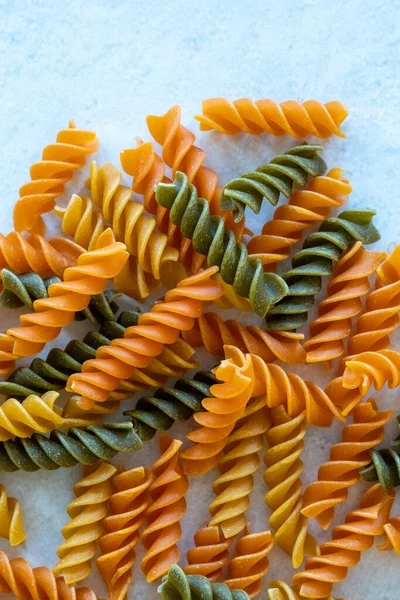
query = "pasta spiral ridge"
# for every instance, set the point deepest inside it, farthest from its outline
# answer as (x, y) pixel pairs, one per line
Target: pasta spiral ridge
(23, 290)
(279, 590)
(305, 208)
(178, 586)
(212, 332)
(342, 304)
(48, 177)
(18, 577)
(84, 529)
(223, 408)
(157, 328)
(271, 180)
(392, 536)
(384, 467)
(283, 478)
(250, 563)
(35, 413)
(382, 308)
(351, 538)
(210, 553)
(336, 476)
(72, 295)
(67, 449)
(167, 493)
(24, 254)
(320, 251)
(180, 153)
(237, 465)
(298, 119)
(128, 503)
(210, 238)
(11, 525)
(82, 221)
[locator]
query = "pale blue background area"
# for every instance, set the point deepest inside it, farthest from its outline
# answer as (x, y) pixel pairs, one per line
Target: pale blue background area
(108, 64)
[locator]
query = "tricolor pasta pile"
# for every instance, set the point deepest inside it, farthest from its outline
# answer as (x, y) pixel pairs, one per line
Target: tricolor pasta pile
(176, 225)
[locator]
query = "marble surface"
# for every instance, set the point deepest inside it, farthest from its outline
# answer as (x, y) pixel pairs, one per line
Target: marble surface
(110, 63)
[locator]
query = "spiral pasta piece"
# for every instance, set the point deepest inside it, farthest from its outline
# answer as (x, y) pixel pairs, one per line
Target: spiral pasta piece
(271, 180)
(224, 407)
(283, 478)
(304, 209)
(24, 254)
(144, 341)
(384, 467)
(67, 449)
(392, 536)
(128, 503)
(18, 577)
(237, 465)
(48, 177)
(210, 554)
(298, 119)
(250, 563)
(382, 308)
(167, 493)
(279, 590)
(212, 332)
(11, 525)
(346, 458)
(180, 153)
(84, 529)
(68, 297)
(35, 413)
(210, 238)
(348, 541)
(178, 586)
(342, 304)
(320, 251)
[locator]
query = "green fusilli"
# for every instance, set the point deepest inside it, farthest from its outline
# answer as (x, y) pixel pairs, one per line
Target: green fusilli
(176, 585)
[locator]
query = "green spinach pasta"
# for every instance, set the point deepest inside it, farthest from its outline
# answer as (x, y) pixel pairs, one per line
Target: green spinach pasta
(176, 585)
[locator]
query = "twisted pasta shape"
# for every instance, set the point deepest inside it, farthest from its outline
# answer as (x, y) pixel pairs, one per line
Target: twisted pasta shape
(35, 413)
(82, 221)
(180, 153)
(24, 254)
(127, 506)
(68, 297)
(224, 407)
(48, 177)
(84, 529)
(238, 462)
(271, 180)
(168, 506)
(279, 590)
(292, 117)
(381, 315)
(392, 535)
(346, 458)
(348, 540)
(282, 477)
(23, 290)
(210, 553)
(26, 583)
(178, 586)
(192, 215)
(11, 525)
(67, 449)
(384, 467)
(304, 209)
(320, 251)
(212, 332)
(144, 341)
(250, 564)
(342, 304)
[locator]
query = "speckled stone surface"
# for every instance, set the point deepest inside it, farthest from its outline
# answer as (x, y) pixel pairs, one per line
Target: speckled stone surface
(110, 63)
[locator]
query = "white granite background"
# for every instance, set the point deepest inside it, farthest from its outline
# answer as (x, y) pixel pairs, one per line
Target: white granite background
(108, 64)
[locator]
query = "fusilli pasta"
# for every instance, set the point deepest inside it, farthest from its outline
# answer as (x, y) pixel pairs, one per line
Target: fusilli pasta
(210, 554)
(35, 413)
(384, 467)
(292, 117)
(392, 535)
(48, 177)
(178, 586)
(11, 525)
